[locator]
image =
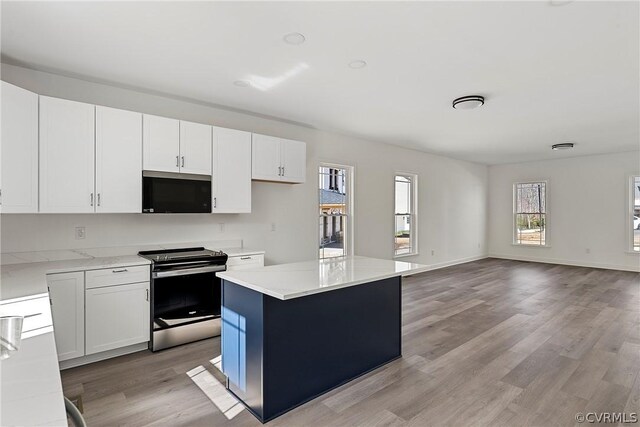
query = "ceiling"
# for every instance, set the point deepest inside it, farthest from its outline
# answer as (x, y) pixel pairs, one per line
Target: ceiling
(551, 72)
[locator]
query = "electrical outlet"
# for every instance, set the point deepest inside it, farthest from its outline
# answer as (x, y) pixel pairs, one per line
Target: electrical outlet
(588, 250)
(221, 225)
(433, 252)
(273, 226)
(81, 233)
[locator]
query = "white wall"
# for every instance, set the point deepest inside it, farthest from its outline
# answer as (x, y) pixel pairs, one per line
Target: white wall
(452, 200)
(587, 202)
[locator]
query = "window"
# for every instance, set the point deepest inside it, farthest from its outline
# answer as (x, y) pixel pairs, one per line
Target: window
(405, 237)
(334, 200)
(530, 213)
(635, 213)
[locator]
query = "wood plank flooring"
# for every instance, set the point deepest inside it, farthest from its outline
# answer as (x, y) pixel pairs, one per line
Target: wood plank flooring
(492, 342)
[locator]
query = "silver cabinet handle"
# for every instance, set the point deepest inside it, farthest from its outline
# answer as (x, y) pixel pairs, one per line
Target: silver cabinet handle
(283, 171)
(245, 257)
(177, 161)
(147, 294)
(91, 199)
(98, 199)
(182, 161)
(122, 270)
(215, 202)
(279, 170)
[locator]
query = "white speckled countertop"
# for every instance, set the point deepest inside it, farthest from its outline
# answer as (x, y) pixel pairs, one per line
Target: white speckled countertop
(24, 273)
(286, 281)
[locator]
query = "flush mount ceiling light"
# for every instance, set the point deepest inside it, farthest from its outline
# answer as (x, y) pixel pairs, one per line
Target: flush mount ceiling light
(562, 146)
(358, 63)
(241, 83)
(294, 38)
(468, 102)
(560, 2)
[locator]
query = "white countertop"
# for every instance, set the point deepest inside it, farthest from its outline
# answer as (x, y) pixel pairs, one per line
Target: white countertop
(19, 280)
(23, 274)
(30, 386)
(287, 281)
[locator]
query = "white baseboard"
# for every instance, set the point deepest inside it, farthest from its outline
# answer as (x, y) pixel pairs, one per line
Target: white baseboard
(84, 360)
(566, 262)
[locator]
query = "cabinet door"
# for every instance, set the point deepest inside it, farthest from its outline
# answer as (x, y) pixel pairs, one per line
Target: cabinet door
(161, 144)
(118, 160)
(265, 154)
(66, 156)
(294, 161)
(117, 316)
(19, 151)
(231, 179)
(195, 148)
(66, 291)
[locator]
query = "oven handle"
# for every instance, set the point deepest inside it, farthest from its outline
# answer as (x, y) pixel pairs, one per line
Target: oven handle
(187, 271)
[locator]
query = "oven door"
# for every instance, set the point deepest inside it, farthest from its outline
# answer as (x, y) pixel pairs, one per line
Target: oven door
(185, 304)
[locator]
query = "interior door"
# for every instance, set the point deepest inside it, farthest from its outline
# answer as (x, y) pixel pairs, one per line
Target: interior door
(160, 144)
(265, 162)
(66, 291)
(19, 171)
(231, 177)
(67, 144)
(294, 161)
(195, 148)
(118, 160)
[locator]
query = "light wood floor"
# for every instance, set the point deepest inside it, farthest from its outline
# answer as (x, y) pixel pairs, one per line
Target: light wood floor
(491, 342)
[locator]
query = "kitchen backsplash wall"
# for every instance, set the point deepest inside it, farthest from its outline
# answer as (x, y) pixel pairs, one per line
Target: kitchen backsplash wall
(452, 210)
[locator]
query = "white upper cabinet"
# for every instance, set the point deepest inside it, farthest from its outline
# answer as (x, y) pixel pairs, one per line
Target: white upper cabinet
(118, 161)
(171, 145)
(66, 156)
(294, 161)
(161, 144)
(278, 159)
(265, 157)
(19, 151)
(231, 178)
(195, 148)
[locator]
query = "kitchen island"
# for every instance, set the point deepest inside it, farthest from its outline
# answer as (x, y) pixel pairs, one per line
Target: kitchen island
(292, 332)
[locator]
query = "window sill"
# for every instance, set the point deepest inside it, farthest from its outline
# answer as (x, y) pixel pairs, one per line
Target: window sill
(406, 255)
(632, 252)
(520, 245)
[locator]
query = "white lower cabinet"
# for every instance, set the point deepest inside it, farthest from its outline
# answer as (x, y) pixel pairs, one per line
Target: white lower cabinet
(66, 291)
(99, 310)
(245, 262)
(117, 316)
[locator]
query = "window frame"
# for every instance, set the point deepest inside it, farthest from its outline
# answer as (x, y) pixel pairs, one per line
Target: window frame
(349, 216)
(514, 225)
(630, 212)
(413, 197)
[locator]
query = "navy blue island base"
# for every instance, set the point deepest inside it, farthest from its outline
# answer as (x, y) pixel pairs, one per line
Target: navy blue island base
(278, 354)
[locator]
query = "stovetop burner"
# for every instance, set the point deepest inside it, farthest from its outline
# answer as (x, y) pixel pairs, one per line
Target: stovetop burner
(166, 256)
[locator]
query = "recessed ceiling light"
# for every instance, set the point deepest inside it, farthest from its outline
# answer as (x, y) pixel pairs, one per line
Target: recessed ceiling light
(294, 38)
(562, 146)
(358, 63)
(468, 102)
(241, 83)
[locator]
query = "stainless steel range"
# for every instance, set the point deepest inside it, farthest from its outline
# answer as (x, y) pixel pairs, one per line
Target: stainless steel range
(185, 295)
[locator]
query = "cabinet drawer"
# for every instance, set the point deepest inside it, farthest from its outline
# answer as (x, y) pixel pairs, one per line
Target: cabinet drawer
(245, 261)
(36, 312)
(117, 276)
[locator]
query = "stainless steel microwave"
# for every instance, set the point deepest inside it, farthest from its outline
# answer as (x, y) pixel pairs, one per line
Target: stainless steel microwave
(175, 193)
